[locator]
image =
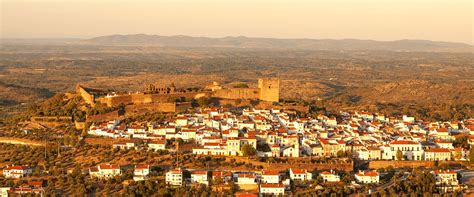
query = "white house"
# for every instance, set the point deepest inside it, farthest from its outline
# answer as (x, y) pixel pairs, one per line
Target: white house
(367, 177)
(272, 189)
(447, 177)
(291, 151)
(438, 154)
(17, 171)
(141, 172)
(330, 176)
(124, 145)
(298, 174)
(105, 171)
(199, 177)
(246, 179)
(181, 121)
(174, 177)
(411, 150)
(157, 145)
(270, 176)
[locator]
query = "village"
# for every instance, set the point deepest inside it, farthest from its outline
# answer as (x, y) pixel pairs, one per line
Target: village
(271, 133)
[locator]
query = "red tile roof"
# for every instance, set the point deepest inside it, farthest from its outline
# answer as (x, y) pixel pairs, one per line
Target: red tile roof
(402, 142)
(270, 172)
(272, 185)
(142, 166)
(109, 166)
(438, 150)
(17, 168)
(369, 173)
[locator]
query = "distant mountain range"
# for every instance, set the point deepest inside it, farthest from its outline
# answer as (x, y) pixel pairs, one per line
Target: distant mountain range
(274, 43)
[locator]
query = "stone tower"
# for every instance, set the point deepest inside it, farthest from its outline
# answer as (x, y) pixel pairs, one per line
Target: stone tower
(269, 89)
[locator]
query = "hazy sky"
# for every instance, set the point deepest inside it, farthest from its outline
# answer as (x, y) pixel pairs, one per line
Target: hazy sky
(444, 20)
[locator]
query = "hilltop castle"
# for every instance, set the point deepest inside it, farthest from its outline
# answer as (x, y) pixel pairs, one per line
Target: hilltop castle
(268, 90)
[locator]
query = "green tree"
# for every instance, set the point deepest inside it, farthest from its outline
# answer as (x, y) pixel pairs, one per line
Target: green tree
(341, 153)
(399, 155)
(248, 150)
(471, 155)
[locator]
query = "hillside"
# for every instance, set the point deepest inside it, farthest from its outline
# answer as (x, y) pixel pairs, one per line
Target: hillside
(15, 94)
(273, 43)
(415, 97)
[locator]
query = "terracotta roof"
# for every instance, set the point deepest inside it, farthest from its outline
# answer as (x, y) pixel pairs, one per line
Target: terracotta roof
(401, 142)
(35, 183)
(270, 172)
(202, 172)
(298, 171)
(17, 168)
(438, 150)
(442, 129)
(444, 172)
(109, 166)
(272, 185)
(368, 173)
(221, 173)
(246, 176)
(142, 166)
(158, 142)
(245, 195)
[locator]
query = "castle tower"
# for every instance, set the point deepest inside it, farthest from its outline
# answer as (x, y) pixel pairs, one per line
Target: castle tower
(269, 89)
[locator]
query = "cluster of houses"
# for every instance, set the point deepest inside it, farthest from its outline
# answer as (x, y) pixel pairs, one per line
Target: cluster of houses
(17, 171)
(105, 171)
(31, 187)
(267, 181)
(363, 135)
(446, 180)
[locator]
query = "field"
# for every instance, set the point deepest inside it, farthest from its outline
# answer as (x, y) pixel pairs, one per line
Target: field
(432, 85)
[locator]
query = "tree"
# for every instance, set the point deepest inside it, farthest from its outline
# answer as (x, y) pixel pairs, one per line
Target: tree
(203, 101)
(399, 155)
(248, 150)
(341, 153)
(471, 155)
(217, 181)
(263, 147)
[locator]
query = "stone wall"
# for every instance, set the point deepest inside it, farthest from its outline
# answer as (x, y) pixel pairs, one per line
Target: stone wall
(400, 164)
(268, 90)
(88, 98)
(145, 98)
(237, 93)
(66, 119)
(412, 164)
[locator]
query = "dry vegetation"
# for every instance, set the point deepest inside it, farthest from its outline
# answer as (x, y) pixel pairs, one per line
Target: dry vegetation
(428, 84)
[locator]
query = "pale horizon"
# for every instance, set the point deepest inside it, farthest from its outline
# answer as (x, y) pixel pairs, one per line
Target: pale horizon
(448, 21)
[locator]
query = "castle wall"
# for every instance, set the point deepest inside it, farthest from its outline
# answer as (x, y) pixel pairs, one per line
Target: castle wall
(237, 93)
(144, 98)
(269, 89)
(163, 107)
(88, 98)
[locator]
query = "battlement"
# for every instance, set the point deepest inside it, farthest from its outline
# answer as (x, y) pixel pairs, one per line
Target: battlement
(269, 89)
